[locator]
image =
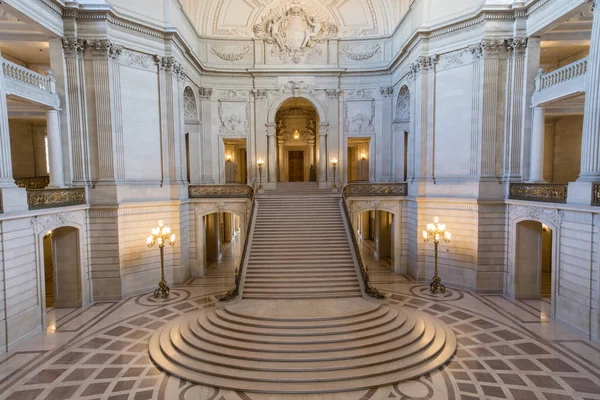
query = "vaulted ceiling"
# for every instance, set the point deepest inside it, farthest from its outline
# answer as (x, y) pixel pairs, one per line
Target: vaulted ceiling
(236, 18)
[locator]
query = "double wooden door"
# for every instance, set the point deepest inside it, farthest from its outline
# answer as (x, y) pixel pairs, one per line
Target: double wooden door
(296, 166)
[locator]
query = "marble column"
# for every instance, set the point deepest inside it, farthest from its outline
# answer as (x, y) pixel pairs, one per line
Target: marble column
(385, 169)
(200, 266)
(208, 173)
(311, 153)
(590, 147)
(272, 156)
(397, 244)
(536, 173)
(12, 198)
(213, 237)
(281, 163)
(322, 157)
(57, 177)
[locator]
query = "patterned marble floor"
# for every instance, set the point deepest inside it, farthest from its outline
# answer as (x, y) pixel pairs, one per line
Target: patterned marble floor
(507, 349)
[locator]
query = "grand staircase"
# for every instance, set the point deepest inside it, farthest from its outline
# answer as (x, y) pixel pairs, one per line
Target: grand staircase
(300, 248)
(302, 325)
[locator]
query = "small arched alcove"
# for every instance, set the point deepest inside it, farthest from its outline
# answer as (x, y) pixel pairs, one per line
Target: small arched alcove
(62, 268)
(533, 260)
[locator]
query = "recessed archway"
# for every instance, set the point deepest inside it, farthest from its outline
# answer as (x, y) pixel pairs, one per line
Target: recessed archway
(297, 122)
(533, 260)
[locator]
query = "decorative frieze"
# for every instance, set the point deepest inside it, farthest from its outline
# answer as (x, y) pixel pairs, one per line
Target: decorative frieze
(535, 213)
(359, 94)
(36, 182)
(455, 59)
(260, 94)
(332, 93)
(205, 93)
(45, 223)
(375, 189)
(243, 53)
(105, 49)
(233, 118)
(136, 59)
(361, 52)
(232, 94)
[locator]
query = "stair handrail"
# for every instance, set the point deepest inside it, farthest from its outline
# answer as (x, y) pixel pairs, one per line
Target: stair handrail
(364, 270)
(234, 292)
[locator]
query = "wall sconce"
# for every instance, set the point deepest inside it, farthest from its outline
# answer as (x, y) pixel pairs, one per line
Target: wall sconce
(545, 228)
(260, 164)
(161, 235)
(228, 157)
(296, 135)
(436, 232)
(363, 156)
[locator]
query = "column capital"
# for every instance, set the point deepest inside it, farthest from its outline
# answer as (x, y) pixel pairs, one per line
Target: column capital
(422, 64)
(73, 47)
(594, 4)
(487, 48)
(387, 92)
(516, 45)
(271, 129)
(259, 94)
(105, 49)
(205, 93)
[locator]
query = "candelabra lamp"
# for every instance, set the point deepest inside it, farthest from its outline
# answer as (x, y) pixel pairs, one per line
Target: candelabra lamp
(436, 232)
(161, 235)
(334, 163)
(260, 163)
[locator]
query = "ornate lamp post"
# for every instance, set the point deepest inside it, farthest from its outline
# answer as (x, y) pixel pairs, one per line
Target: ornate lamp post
(161, 236)
(334, 163)
(260, 163)
(436, 232)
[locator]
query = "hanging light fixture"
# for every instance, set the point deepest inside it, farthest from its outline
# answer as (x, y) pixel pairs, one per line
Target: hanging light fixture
(296, 135)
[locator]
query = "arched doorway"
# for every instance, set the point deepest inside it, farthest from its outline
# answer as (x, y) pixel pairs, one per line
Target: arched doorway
(533, 261)
(62, 268)
(297, 129)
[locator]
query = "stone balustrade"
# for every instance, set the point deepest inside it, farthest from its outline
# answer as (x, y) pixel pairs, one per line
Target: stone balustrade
(564, 74)
(35, 182)
(25, 76)
(550, 193)
(375, 189)
(221, 191)
(49, 198)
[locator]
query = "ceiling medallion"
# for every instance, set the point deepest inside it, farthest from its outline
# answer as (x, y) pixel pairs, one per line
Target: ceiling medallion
(295, 29)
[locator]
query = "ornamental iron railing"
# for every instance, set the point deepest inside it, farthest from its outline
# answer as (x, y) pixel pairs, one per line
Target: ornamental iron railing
(234, 292)
(596, 194)
(35, 182)
(375, 189)
(233, 191)
(49, 198)
(546, 192)
(563, 74)
(364, 271)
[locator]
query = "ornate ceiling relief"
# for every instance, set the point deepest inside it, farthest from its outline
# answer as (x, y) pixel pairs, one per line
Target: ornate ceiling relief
(295, 30)
(234, 112)
(359, 112)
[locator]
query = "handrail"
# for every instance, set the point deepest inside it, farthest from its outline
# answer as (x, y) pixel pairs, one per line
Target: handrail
(34, 182)
(49, 198)
(546, 192)
(364, 271)
(28, 77)
(239, 272)
(560, 75)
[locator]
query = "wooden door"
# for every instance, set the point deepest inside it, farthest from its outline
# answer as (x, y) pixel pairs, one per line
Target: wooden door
(296, 166)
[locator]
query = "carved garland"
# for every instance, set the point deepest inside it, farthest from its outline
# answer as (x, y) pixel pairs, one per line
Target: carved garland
(243, 54)
(361, 53)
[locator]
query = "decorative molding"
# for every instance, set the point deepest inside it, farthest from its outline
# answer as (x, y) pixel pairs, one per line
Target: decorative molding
(387, 92)
(205, 93)
(232, 95)
(361, 52)
(243, 53)
(233, 124)
(535, 213)
(332, 93)
(359, 94)
(454, 59)
(190, 106)
(260, 94)
(170, 65)
(45, 223)
(516, 45)
(375, 189)
(36, 182)
(488, 48)
(361, 124)
(422, 64)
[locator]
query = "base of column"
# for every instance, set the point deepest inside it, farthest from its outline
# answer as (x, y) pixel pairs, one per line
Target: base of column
(324, 185)
(13, 200)
(270, 185)
(580, 193)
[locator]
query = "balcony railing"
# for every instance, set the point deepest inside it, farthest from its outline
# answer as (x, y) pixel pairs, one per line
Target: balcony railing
(596, 194)
(221, 191)
(550, 193)
(49, 198)
(375, 189)
(564, 74)
(25, 76)
(35, 182)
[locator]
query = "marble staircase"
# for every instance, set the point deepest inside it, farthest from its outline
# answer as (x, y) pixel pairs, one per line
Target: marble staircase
(302, 326)
(299, 247)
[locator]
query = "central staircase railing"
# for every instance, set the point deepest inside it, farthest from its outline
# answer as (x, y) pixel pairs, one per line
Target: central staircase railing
(364, 270)
(235, 291)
